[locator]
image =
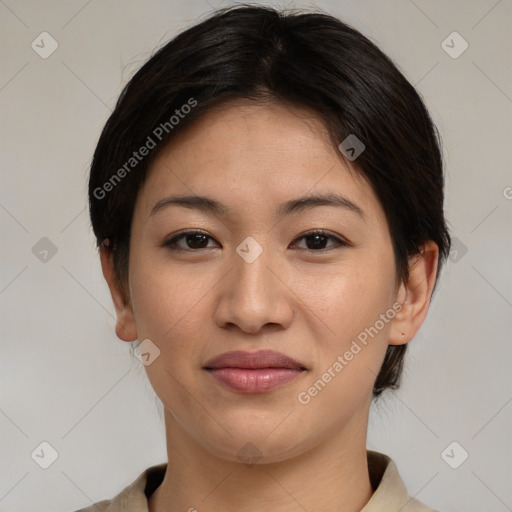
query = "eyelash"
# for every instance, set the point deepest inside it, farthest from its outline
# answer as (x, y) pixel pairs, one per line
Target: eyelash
(171, 243)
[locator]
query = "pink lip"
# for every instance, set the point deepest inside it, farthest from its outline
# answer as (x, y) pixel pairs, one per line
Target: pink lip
(254, 372)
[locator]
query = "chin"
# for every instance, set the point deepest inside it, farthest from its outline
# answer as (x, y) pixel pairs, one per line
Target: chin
(254, 443)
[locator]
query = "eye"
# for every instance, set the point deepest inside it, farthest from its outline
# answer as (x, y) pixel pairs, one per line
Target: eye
(318, 239)
(195, 240)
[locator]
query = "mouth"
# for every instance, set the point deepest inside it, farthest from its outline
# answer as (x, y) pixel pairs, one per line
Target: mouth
(254, 372)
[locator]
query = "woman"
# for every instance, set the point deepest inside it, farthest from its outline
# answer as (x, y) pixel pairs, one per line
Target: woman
(267, 198)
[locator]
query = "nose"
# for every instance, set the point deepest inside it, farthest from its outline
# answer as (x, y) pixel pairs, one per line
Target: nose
(254, 296)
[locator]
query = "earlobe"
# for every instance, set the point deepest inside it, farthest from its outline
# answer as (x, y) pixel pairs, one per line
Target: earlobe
(414, 295)
(126, 329)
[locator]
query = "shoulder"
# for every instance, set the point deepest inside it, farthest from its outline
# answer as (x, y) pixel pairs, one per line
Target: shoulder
(417, 506)
(134, 497)
(100, 506)
(390, 492)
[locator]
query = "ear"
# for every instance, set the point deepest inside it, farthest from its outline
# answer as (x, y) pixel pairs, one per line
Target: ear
(126, 329)
(415, 295)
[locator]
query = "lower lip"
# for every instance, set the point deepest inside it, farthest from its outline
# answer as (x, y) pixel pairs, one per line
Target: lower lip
(260, 380)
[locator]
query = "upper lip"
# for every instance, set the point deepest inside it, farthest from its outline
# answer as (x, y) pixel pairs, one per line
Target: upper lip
(251, 360)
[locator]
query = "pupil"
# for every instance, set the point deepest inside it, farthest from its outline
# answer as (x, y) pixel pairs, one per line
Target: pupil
(317, 239)
(195, 239)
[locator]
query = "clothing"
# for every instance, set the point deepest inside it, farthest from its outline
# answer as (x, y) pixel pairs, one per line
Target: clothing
(390, 494)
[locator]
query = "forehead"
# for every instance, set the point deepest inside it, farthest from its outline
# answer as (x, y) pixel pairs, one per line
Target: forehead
(248, 154)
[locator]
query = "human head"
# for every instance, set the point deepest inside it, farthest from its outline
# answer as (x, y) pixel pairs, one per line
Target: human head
(312, 61)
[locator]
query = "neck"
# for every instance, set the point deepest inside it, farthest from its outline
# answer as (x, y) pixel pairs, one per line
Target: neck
(330, 477)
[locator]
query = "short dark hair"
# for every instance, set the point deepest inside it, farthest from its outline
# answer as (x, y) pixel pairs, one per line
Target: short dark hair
(304, 59)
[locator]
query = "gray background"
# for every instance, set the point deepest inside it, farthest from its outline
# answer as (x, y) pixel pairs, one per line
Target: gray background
(67, 380)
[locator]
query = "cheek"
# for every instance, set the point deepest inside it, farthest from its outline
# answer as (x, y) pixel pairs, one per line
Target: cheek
(164, 298)
(352, 297)
(168, 310)
(348, 309)
(349, 349)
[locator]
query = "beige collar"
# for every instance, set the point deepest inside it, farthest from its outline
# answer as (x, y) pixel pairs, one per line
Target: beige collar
(390, 494)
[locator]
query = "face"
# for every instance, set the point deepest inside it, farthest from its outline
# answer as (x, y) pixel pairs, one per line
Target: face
(255, 275)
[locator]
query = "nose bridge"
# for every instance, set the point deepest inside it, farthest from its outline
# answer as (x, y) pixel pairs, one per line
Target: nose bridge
(253, 295)
(253, 282)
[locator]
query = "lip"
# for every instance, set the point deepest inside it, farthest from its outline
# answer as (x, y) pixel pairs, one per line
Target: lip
(254, 372)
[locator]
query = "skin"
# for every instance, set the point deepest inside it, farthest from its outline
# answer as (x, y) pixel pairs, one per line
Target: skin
(309, 304)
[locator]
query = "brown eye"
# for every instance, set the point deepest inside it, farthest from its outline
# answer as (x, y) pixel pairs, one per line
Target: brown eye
(316, 241)
(193, 240)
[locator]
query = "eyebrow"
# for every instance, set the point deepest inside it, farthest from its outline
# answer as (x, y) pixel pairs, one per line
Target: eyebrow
(209, 205)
